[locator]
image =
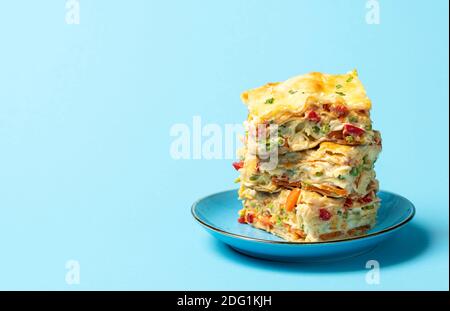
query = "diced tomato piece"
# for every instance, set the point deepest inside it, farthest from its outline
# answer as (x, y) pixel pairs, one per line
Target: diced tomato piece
(313, 116)
(348, 202)
(366, 199)
(238, 165)
(352, 130)
(340, 110)
(241, 220)
(250, 218)
(324, 214)
(326, 107)
(337, 135)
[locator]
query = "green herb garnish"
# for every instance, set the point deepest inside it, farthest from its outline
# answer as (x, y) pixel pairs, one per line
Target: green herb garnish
(369, 207)
(292, 92)
(325, 128)
(349, 79)
(254, 177)
(368, 127)
(353, 119)
(338, 86)
(269, 101)
(345, 214)
(349, 139)
(291, 172)
(318, 174)
(279, 222)
(355, 171)
(366, 160)
(316, 129)
(340, 93)
(341, 177)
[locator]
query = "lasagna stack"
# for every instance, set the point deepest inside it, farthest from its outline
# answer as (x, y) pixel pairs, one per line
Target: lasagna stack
(307, 165)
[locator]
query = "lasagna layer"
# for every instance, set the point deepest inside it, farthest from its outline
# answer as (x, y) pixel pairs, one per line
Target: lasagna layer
(306, 216)
(282, 100)
(332, 169)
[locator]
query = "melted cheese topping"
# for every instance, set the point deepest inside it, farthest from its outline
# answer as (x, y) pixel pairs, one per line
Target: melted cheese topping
(279, 101)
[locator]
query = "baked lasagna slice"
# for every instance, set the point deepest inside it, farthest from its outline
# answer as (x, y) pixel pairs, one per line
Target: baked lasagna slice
(330, 169)
(310, 109)
(306, 216)
(307, 166)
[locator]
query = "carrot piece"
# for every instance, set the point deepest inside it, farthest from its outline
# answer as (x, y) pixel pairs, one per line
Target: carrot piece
(291, 200)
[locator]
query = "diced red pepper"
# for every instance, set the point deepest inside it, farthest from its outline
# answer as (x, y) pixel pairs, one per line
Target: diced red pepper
(313, 116)
(366, 199)
(250, 218)
(348, 202)
(340, 110)
(324, 214)
(238, 165)
(352, 130)
(241, 220)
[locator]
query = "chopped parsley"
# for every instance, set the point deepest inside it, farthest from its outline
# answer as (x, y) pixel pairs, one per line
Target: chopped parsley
(341, 177)
(355, 171)
(318, 174)
(269, 101)
(325, 128)
(368, 127)
(316, 129)
(349, 139)
(338, 86)
(366, 160)
(353, 119)
(254, 177)
(369, 207)
(340, 93)
(292, 92)
(349, 79)
(345, 214)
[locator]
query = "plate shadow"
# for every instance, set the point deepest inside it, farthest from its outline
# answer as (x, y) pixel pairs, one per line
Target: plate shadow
(407, 243)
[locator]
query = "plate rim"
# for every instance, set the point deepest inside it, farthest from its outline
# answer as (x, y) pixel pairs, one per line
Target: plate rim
(259, 240)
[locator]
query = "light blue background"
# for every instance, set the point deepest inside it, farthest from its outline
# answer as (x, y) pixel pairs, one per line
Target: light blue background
(85, 113)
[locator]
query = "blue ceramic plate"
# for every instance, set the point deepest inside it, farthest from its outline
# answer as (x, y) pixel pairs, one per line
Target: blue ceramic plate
(218, 214)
